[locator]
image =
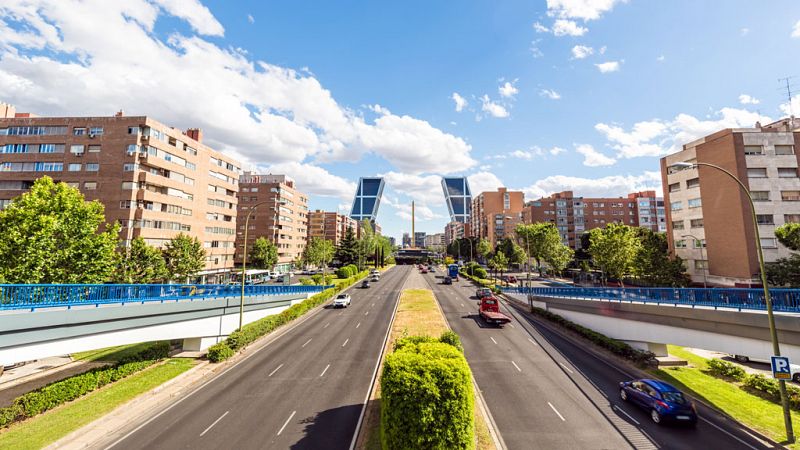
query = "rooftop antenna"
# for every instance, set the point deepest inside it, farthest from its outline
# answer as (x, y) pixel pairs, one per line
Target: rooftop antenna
(789, 95)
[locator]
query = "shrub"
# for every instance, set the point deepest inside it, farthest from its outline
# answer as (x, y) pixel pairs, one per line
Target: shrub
(450, 337)
(769, 389)
(305, 281)
(412, 340)
(219, 352)
(427, 398)
(725, 369)
(317, 278)
(344, 272)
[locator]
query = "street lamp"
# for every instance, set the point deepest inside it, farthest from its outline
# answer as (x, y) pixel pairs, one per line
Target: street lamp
(787, 418)
(244, 258)
(705, 284)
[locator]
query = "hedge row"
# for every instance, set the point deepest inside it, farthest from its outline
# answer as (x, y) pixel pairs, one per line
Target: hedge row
(347, 271)
(63, 391)
(620, 348)
(252, 331)
(427, 396)
(759, 385)
(481, 281)
(476, 270)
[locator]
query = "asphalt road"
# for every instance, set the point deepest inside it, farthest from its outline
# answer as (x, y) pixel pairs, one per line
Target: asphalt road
(544, 391)
(305, 390)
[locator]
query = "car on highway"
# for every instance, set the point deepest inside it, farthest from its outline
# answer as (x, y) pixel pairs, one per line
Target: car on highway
(341, 301)
(447, 280)
(365, 284)
(424, 270)
(374, 272)
(375, 277)
(663, 401)
(483, 292)
(511, 279)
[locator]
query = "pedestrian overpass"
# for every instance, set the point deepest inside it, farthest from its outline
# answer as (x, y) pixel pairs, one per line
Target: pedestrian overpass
(38, 321)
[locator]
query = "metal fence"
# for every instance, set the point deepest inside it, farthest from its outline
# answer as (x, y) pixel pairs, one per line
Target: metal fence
(786, 300)
(23, 296)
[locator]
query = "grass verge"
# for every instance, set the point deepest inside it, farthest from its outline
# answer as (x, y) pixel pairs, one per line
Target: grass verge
(47, 428)
(112, 354)
(759, 414)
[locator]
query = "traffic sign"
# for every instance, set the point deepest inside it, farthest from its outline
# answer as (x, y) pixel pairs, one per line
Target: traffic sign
(781, 370)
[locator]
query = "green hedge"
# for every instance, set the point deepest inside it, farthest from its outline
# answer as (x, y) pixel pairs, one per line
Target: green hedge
(63, 391)
(768, 389)
(426, 398)
(726, 370)
(252, 331)
(617, 347)
(481, 281)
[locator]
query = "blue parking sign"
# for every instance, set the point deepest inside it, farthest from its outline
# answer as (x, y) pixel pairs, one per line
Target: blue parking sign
(780, 368)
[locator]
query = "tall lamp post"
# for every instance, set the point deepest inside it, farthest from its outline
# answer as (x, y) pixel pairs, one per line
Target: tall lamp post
(705, 283)
(787, 418)
(244, 259)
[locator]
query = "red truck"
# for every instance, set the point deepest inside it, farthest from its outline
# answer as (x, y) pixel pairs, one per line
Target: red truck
(489, 309)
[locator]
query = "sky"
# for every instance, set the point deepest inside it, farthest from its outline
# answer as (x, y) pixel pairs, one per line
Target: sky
(539, 96)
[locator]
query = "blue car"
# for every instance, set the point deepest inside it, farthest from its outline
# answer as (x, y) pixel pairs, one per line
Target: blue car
(662, 400)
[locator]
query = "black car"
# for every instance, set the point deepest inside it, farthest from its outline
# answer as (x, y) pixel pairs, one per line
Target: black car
(447, 280)
(365, 284)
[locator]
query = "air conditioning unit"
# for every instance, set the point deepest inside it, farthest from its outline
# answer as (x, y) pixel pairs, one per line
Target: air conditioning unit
(91, 135)
(78, 153)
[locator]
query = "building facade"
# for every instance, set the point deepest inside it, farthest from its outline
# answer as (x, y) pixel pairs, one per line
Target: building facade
(496, 214)
(709, 221)
(456, 230)
(155, 180)
(330, 226)
(281, 216)
(435, 241)
(367, 199)
(419, 239)
(458, 198)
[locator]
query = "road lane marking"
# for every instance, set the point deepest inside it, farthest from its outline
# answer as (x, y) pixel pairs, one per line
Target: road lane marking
(726, 432)
(276, 369)
(511, 325)
(556, 411)
(493, 340)
(366, 313)
(215, 422)
(306, 343)
(565, 367)
(462, 305)
(326, 369)
(346, 341)
(286, 423)
(326, 325)
(626, 414)
(372, 305)
(359, 324)
(515, 365)
(533, 342)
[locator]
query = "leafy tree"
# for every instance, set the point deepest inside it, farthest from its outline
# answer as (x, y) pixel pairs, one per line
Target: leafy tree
(543, 242)
(185, 257)
(263, 254)
(789, 235)
(652, 263)
(448, 260)
(484, 248)
(51, 235)
(347, 252)
(518, 255)
(614, 249)
(784, 271)
(366, 244)
(319, 252)
(140, 263)
(559, 257)
(500, 262)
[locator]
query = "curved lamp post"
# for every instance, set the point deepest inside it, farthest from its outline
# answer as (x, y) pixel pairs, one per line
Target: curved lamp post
(244, 260)
(705, 283)
(787, 418)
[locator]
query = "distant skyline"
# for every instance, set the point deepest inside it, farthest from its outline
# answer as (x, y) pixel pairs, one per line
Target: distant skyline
(541, 96)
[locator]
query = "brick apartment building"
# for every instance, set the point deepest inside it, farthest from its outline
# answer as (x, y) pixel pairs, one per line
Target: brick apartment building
(155, 180)
(496, 214)
(709, 221)
(456, 230)
(281, 216)
(575, 215)
(330, 226)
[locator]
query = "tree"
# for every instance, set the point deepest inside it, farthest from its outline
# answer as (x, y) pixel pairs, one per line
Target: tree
(185, 257)
(788, 234)
(484, 248)
(140, 263)
(613, 249)
(319, 252)
(518, 255)
(366, 244)
(347, 252)
(784, 271)
(543, 243)
(263, 254)
(51, 235)
(559, 257)
(500, 262)
(652, 263)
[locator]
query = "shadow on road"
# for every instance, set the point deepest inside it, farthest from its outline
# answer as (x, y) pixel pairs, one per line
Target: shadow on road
(329, 429)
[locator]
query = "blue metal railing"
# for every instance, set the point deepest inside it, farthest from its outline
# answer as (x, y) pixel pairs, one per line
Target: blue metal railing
(786, 300)
(23, 296)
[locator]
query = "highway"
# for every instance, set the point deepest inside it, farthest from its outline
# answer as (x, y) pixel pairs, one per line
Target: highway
(545, 391)
(304, 390)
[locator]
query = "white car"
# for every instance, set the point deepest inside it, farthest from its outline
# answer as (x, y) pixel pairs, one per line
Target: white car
(795, 368)
(341, 301)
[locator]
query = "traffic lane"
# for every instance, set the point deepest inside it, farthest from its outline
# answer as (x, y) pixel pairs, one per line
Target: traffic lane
(713, 432)
(548, 411)
(186, 423)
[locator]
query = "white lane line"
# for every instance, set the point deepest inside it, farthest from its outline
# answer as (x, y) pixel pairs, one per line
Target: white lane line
(276, 369)
(515, 365)
(286, 423)
(511, 325)
(346, 341)
(366, 313)
(493, 340)
(306, 343)
(326, 325)
(341, 313)
(556, 411)
(212, 425)
(726, 432)
(359, 324)
(626, 414)
(373, 304)
(462, 305)
(533, 342)
(326, 369)
(565, 367)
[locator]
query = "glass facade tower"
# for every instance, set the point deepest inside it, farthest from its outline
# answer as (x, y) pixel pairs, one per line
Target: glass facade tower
(368, 199)
(458, 197)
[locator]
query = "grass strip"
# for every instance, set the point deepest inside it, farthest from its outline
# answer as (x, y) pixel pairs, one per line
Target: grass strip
(112, 353)
(51, 426)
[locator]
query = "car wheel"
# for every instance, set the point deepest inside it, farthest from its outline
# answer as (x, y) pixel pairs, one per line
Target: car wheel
(796, 378)
(741, 358)
(655, 416)
(623, 395)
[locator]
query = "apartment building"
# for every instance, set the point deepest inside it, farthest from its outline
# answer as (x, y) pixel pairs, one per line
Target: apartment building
(155, 180)
(709, 220)
(406, 240)
(278, 212)
(435, 241)
(419, 239)
(496, 214)
(456, 230)
(330, 226)
(575, 215)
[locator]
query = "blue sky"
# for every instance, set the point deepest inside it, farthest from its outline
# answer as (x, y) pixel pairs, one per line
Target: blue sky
(559, 94)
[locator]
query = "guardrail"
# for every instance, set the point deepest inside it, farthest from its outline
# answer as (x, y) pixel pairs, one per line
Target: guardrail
(785, 300)
(24, 296)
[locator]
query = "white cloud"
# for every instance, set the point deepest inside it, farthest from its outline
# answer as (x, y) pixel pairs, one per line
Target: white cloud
(199, 17)
(533, 153)
(582, 51)
(492, 108)
(549, 93)
(251, 19)
(580, 9)
(508, 90)
(483, 182)
(792, 109)
(461, 102)
(661, 58)
(602, 50)
(540, 28)
(314, 180)
(562, 27)
(744, 31)
(611, 186)
(424, 189)
(748, 100)
(593, 158)
(535, 50)
(422, 212)
(606, 67)
(796, 30)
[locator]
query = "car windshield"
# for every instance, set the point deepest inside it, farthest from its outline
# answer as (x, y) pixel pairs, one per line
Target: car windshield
(674, 397)
(490, 302)
(342, 296)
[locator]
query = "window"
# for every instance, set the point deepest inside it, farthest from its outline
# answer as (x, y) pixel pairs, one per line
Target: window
(695, 203)
(36, 131)
(51, 148)
(133, 130)
(678, 225)
(760, 196)
(94, 149)
(129, 167)
(97, 131)
(680, 244)
(784, 149)
(696, 223)
(74, 184)
(674, 187)
(78, 131)
(700, 264)
(790, 196)
(74, 167)
(753, 150)
(757, 172)
(769, 243)
(786, 172)
(791, 218)
(676, 206)
(93, 167)
(129, 185)
(76, 149)
(692, 183)
(765, 219)
(90, 185)
(699, 243)
(48, 167)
